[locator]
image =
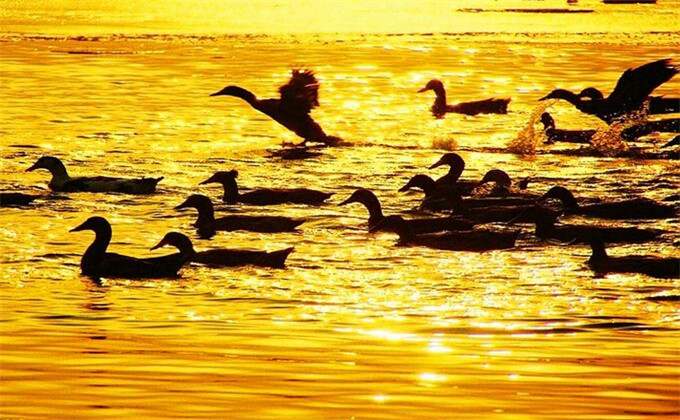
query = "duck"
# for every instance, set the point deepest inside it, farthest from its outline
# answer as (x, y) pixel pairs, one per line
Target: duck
(559, 135)
(630, 93)
(96, 262)
(469, 240)
(637, 208)
(62, 182)
(263, 197)
(456, 166)
(440, 107)
(657, 104)
(503, 185)
(224, 257)
(375, 215)
(652, 266)
(10, 199)
(547, 229)
(207, 225)
(439, 198)
(298, 97)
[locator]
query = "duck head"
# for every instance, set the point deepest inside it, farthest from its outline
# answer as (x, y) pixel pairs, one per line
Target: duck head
(236, 91)
(498, 176)
(196, 201)
(591, 93)
(178, 240)
(548, 121)
(369, 200)
(50, 163)
(221, 177)
(423, 182)
(562, 194)
(434, 84)
(94, 223)
(452, 159)
(561, 94)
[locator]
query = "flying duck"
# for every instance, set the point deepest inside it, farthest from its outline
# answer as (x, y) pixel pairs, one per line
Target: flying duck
(638, 208)
(652, 266)
(298, 97)
(224, 257)
(546, 229)
(375, 215)
(61, 181)
(96, 262)
(15, 199)
(440, 107)
(470, 240)
(657, 104)
(263, 197)
(207, 225)
(630, 93)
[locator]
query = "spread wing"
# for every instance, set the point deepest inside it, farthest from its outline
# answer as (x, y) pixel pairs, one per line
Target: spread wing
(301, 93)
(635, 85)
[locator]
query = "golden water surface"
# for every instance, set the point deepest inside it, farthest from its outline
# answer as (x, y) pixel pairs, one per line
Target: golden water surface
(354, 327)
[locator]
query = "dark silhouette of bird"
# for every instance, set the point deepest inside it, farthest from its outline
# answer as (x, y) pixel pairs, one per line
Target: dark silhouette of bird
(554, 134)
(8, 199)
(630, 93)
(266, 196)
(224, 257)
(657, 104)
(207, 225)
(61, 181)
(440, 107)
(652, 266)
(298, 97)
(96, 262)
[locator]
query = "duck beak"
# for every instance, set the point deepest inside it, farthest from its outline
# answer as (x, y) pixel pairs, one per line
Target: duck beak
(181, 206)
(208, 181)
(162, 243)
(349, 200)
(33, 167)
(221, 92)
(79, 228)
(423, 90)
(437, 164)
(404, 188)
(544, 98)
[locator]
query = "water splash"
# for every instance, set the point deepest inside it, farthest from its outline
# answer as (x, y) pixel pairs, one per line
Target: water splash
(607, 139)
(530, 137)
(444, 142)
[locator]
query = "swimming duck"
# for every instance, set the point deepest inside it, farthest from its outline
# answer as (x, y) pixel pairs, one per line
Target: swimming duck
(61, 181)
(298, 97)
(207, 225)
(638, 208)
(16, 199)
(657, 104)
(630, 93)
(440, 107)
(456, 166)
(558, 135)
(546, 229)
(470, 240)
(263, 197)
(375, 215)
(652, 266)
(96, 262)
(224, 257)
(439, 197)
(503, 185)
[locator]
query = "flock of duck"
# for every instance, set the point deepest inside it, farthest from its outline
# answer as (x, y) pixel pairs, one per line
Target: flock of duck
(458, 199)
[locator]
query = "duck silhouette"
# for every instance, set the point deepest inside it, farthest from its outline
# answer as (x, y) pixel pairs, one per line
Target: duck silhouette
(10, 199)
(441, 108)
(207, 225)
(652, 266)
(96, 262)
(61, 181)
(657, 104)
(292, 110)
(630, 93)
(425, 225)
(266, 196)
(637, 208)
(224, 257)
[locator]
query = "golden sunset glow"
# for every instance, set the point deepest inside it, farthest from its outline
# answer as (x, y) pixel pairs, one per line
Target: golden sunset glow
(352, 326)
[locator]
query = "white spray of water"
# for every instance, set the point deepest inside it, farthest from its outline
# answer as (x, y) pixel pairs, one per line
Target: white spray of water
(530, 136)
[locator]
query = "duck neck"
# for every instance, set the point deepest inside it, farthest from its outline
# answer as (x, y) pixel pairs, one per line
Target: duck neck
(58, 171)
(375, 213)
(427, 184)
(244, 94)
(599, 252)
(186, 248)
(96, 251)
(230, 191)
(206, 214)
(544, 227)
(568, 200)
(440, 100)
(454, 173)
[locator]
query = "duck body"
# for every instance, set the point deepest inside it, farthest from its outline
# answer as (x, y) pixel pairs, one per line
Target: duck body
(266, 196)
(470, 240)
(298, 97)
(207, 225)
(96, 262)
(652, 266)
(441, 108)
(638, 208)
(16, 199)
(630, 93)
(425, 225)
(225, 257)
(62, 182)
